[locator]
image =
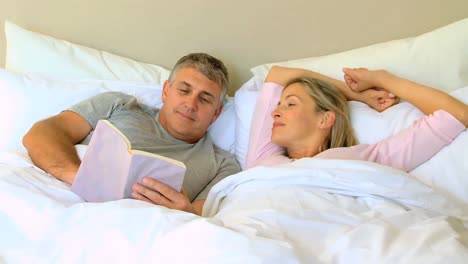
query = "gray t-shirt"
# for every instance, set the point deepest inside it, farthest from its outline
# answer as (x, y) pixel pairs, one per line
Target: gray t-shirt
(206, 164)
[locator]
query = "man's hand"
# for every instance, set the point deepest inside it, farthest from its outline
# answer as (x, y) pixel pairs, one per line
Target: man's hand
(155, 192)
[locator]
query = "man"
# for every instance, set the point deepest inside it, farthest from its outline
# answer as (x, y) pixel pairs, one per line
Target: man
(193, 100)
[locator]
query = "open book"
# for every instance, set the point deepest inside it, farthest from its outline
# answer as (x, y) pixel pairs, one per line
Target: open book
(110, 167)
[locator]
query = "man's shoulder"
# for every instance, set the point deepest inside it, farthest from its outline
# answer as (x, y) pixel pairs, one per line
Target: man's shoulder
(119, 100)
(218, 152)
(115, 95)
(225, 157)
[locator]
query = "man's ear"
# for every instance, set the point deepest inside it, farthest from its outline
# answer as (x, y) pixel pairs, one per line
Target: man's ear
(218, 111)
(166, 86)
(328, 119)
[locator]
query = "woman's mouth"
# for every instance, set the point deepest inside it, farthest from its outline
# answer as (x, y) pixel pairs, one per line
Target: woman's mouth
(278, 124)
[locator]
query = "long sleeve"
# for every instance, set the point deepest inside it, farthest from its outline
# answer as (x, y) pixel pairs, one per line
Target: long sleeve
(261, 150)
(410, 147)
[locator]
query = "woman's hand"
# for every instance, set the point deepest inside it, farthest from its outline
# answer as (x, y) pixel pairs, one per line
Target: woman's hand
(361, 79)
(367, 86)
(378, 99)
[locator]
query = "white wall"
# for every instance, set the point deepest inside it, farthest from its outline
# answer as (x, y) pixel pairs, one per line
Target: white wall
(242, 33)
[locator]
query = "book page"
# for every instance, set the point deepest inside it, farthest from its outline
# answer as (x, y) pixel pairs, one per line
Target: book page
(156, 156)
(163, 170)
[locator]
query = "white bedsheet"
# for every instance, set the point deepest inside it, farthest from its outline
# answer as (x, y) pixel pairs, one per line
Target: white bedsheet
(310, 211)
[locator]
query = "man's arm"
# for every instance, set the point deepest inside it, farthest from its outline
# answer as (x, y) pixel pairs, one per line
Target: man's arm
(377, 99)
(50, 144)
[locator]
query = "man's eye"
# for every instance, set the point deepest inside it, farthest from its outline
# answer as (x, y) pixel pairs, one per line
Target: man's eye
(290, 104)
(204, 100)
(183, 91)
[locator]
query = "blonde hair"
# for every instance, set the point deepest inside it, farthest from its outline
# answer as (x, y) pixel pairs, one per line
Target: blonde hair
(329, 98)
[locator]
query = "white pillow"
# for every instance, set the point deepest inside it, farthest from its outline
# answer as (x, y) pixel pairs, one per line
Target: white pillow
(30, 98)
(244, 103)
(438, 58)
(223, 130)
(447, 171)
(30, 52)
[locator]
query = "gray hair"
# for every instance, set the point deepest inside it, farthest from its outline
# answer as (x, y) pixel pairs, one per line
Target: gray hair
(208, 65)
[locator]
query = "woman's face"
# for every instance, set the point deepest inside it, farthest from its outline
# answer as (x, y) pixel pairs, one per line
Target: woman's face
(296, 121)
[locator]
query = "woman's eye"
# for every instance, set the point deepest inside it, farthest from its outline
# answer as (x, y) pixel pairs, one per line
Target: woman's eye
(290, 104)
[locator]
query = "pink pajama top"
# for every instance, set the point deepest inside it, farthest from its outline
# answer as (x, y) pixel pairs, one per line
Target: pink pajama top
(404, 150)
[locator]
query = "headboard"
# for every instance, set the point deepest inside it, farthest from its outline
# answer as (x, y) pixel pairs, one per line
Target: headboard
(241, 33)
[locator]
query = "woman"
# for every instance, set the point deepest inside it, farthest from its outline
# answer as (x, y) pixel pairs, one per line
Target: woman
(310, 118)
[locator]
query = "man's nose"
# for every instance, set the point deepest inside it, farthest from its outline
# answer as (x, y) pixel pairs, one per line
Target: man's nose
(191, 102)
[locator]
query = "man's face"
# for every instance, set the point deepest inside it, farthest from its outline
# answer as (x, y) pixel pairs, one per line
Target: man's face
(191, 105)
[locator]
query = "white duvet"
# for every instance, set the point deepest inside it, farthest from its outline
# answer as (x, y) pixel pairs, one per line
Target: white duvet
(309, 211)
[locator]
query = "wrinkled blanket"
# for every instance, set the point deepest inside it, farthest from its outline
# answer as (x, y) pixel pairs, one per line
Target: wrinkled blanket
(309, 211)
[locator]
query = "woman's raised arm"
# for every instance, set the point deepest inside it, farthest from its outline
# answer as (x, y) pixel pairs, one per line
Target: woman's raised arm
(377, 99)
(425, 98)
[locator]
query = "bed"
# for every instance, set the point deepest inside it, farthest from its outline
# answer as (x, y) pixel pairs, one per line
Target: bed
(309, 211)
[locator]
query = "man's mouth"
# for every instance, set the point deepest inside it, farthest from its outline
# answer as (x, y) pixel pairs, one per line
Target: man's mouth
(185, 115)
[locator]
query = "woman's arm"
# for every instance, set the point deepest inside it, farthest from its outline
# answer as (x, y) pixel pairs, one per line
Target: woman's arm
(377, 99)
(260, 146)
(408, 148)
(426, 99)
(417, 143)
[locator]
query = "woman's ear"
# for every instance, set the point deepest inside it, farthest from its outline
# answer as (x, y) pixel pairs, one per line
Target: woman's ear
(328, 119)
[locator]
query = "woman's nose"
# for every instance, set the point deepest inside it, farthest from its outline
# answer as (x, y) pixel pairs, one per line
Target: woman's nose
(276, 112)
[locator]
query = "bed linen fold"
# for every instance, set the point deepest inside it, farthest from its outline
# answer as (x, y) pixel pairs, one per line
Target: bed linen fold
(309, 211)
